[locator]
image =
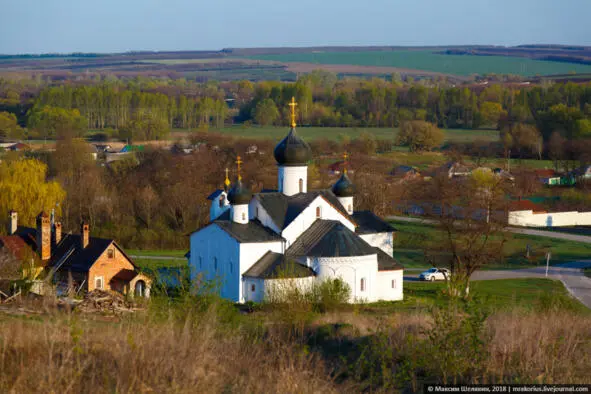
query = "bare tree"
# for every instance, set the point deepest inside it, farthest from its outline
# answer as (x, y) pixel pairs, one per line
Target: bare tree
(470, 215)
(556, 148)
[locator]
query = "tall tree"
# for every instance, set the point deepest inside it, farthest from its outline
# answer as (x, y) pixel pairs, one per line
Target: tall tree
(266, 112)
(419, 135)
(55, 122)
(24, 187)
(9, 128)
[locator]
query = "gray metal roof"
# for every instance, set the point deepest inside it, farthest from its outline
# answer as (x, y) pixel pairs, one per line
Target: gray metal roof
(251, 232)
(275, 265)
(284, 209)
(215, 194)
(369, 223)
(386, 262)
(329, 238)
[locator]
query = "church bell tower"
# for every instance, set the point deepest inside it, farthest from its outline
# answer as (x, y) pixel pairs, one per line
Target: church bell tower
(292, 155)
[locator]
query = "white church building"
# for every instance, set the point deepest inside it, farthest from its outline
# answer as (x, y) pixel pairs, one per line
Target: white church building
(255, 241)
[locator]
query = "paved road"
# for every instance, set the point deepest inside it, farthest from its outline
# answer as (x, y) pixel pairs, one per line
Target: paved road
(515, 230)
(570, 274)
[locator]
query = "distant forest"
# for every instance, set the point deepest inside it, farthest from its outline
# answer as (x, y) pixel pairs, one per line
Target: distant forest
(323, 100)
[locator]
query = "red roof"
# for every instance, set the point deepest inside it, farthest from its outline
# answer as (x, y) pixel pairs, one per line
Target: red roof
(543, 173)
(15, 245)
(525, 205)
(336, 166)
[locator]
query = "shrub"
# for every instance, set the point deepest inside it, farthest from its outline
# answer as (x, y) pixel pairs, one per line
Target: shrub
(419, 135)
(329, 294)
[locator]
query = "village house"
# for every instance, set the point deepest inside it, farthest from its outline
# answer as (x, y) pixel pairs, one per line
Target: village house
(405, 173)
(14, 146)
(76, 262)
(454, 169)
(337, 167)
(582, 173)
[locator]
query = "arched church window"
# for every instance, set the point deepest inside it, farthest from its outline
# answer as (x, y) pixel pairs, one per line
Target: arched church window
(301, 183)
(252, 288)
(215, 264)
(393, 283)
(318, 212)
(200, 262)
(221, 201)
(349, 208)
(231, 267)
(362, 284)
(243, 216)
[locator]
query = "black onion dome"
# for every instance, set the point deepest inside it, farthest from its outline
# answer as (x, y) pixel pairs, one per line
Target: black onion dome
(239, 194)
(344, 187)
(292, 150)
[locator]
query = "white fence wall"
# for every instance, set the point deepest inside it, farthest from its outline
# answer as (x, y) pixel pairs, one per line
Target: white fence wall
(549, 219)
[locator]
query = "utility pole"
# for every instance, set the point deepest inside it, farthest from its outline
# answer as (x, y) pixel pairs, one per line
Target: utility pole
(509, 161)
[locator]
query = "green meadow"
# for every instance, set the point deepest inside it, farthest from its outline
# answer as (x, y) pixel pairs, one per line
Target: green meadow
(336, 133)
(427, 60)
(413, 238)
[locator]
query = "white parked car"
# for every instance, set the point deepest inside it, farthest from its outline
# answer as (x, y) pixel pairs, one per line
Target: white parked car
(434, 274)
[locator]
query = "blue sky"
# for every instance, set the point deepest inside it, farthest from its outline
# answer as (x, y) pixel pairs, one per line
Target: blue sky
(42, 26)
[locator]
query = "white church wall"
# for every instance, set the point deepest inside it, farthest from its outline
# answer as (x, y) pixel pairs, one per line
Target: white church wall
(240, 213)
(253, 290)
(347, 203)
(215, 209)
(257, 211)
(390, 284)
(308, 216)
(380, 240)
(351, 270)
(216, 255)
(259, 290)
(250, 253)
(289, 180)
(281, 288)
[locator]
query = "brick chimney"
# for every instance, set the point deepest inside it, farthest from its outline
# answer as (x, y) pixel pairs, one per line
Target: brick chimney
(57, 232)
(84, 234)
(44, 236)
(12, 222)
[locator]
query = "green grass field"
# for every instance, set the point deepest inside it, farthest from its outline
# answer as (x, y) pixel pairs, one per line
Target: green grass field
(413, 238)
(505, 294)
(159, 253)
(426, 60)
(335, 133)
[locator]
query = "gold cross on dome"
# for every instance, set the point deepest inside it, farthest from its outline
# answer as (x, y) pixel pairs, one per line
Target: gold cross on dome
(238, 164)
(345, 157)
(227, 181)
(293, 105)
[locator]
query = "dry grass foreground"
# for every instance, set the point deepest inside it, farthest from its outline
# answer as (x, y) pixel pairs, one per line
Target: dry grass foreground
(194, 347)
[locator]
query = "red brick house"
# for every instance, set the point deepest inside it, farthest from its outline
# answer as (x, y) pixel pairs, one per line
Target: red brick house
(73, 261)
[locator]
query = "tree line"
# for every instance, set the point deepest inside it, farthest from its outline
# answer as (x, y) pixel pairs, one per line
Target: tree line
(550, 119)
(324, 100)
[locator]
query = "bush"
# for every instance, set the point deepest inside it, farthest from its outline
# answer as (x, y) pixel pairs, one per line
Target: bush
(419, 136)
(330, 294)
(320, 297)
